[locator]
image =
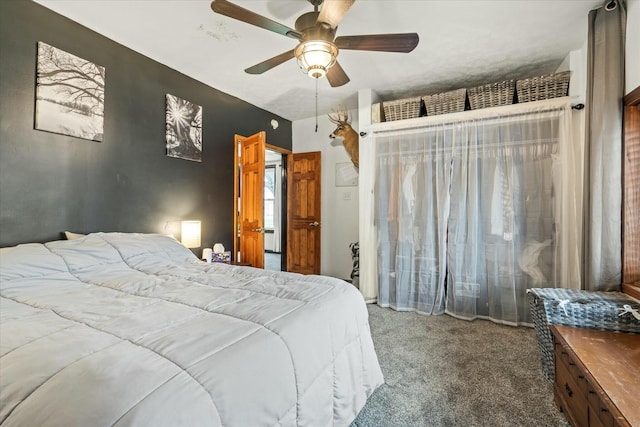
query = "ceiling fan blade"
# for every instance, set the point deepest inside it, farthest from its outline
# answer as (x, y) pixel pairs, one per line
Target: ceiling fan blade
(332, 11)
(223, 7)
(404, 42)
(337, 76)
(270, 63)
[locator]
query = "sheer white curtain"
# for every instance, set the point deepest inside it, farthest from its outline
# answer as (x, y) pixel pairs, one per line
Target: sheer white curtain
(472, 213)
(412, 205)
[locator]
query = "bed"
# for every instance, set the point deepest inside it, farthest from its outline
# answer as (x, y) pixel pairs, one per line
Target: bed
(120, 329)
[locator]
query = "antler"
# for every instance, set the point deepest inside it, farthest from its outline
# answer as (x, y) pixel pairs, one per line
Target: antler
(339, 116)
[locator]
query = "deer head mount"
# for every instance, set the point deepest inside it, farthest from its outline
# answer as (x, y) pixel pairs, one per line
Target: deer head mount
(344, 131)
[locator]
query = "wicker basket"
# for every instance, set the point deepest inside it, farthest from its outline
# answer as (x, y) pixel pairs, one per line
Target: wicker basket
(492, 95)
(583, 309)
(401, 109)
(543, 87)
(446, 102)
(377, 113)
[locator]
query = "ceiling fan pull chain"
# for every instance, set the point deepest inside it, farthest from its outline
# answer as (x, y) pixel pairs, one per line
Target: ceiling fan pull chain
(316, 105)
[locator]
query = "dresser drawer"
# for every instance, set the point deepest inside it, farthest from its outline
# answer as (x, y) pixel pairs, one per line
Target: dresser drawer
(572, 368)
(570, 396)
(594, 421)
(585, 405)
(601, 412)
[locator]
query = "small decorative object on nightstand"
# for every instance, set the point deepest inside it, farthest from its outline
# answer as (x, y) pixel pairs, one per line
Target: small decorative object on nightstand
(221, 257)
(207, 254)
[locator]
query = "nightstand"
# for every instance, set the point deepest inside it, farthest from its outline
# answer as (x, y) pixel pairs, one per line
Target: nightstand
(239, 263)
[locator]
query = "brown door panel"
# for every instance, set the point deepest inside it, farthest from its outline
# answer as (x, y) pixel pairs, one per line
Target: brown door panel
(303, 213)
(251, 189)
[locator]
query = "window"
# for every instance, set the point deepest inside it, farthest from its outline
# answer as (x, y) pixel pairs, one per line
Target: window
(269, 196)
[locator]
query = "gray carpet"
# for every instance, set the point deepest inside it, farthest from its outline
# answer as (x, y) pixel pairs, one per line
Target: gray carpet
(441, 371)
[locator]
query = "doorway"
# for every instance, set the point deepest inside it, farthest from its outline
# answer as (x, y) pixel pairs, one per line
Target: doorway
(259, 203)
(274, 205)
(300, 189)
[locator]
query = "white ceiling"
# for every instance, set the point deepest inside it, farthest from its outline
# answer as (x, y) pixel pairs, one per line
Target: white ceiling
(463, 43)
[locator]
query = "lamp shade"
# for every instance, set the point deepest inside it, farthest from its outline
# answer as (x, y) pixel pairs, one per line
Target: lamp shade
(315, 57)
(191, 234)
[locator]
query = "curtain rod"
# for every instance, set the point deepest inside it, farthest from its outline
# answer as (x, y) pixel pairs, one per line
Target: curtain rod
(488, 149)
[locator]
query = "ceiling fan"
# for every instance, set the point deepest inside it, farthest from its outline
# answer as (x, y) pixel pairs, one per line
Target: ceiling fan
(318, 46)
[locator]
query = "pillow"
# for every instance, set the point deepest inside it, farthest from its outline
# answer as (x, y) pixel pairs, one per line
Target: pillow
(73, 236)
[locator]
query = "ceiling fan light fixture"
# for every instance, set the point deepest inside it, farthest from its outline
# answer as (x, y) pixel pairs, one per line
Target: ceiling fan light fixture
(315, 57)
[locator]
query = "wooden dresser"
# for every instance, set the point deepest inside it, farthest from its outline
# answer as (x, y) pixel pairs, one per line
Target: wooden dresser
(597, 376)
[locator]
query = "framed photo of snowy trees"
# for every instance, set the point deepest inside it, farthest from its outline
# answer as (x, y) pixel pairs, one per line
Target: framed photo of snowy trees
(69, 94)
(183, 129)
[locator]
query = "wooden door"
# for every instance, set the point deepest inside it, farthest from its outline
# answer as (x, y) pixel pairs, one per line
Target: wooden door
(303, 213)
(251, 187)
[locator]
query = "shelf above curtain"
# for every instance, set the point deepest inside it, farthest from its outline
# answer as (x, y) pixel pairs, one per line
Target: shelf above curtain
(482, 114)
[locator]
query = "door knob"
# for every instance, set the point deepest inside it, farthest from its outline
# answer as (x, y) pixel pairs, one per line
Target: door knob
(258, 230)
(314, 223)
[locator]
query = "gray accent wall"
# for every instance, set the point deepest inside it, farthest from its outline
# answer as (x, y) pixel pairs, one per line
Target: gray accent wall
(51, 183)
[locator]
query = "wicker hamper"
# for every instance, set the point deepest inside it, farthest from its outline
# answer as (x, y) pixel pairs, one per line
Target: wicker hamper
(491, 95)
(583, 309)
(401, 109)
(543, 87)
(446, 102)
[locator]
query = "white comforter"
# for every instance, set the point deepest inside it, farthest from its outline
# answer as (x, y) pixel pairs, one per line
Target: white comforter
(122, 329)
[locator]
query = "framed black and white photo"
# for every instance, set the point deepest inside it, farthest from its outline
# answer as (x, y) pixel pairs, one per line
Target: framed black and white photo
(69, 94)
(184, 129)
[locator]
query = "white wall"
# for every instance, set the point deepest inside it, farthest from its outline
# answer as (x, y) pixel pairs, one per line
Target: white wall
(339, 215)
(632, 46)
(576, 62)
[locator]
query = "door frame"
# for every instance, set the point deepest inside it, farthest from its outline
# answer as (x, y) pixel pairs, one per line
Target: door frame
(283, 203)
(236, 191)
